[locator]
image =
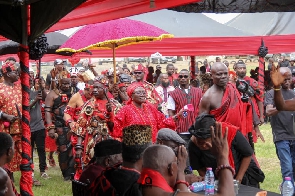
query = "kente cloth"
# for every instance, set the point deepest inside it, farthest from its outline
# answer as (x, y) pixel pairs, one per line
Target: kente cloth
(147, 115)
(92, 124)
(91, 173)
(181, 99)
(149, 177)
(14, 164)
(161, 93)
(231, 109)
(10, 96)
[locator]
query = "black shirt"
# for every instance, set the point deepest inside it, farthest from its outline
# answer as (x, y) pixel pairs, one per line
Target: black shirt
(201, 159)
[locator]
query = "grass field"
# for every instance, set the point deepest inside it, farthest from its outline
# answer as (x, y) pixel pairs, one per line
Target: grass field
(265, 152)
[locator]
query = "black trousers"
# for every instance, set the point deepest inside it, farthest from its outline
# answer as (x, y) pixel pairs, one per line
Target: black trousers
(38, 138)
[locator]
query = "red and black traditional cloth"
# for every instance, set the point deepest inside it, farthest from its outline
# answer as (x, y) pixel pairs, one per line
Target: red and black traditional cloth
(92, 124)
(150, 177)
(182, 98)
(10, 98)
(232, 109)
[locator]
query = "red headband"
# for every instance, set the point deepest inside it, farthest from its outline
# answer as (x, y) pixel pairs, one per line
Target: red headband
(131, 88)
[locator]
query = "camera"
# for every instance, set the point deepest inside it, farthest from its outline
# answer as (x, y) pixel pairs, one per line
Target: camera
(243, 87)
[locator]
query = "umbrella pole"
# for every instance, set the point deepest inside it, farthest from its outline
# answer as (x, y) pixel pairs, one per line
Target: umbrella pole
(26, 180)
(114, 64)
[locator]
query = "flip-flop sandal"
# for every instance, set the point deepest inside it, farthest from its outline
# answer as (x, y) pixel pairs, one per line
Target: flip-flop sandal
(36, 183)
(51, 162)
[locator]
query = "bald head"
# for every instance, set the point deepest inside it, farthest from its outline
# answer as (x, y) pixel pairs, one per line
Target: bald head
(218, 66)
(158, 157)
(285, 70)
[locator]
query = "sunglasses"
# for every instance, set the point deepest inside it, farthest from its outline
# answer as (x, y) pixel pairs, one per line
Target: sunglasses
(137, 72)
(183, 76)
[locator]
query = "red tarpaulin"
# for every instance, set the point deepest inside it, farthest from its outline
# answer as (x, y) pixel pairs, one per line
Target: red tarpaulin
(204, 46)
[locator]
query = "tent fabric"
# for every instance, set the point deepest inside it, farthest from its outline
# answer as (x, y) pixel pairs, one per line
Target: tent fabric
(47, 11)
(238, 6)
(54, 40)
(90, 12)
(188, 24)
(268, 23)
(192, 46)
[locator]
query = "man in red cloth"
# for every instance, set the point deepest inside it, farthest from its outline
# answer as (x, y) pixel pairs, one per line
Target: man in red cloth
(184, 95)
(95, 122)
(256, 101)
(223, 100)
(152, 95)
(10, 102)
(138, 111)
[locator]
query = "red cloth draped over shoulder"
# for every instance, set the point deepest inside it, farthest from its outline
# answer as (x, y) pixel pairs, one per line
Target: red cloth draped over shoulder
(232, 131)
(231, 110)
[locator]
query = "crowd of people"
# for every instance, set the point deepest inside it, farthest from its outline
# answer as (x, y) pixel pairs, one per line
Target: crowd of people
(144, 131)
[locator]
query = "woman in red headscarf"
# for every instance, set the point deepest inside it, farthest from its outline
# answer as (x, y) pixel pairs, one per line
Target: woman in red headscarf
(138, 111)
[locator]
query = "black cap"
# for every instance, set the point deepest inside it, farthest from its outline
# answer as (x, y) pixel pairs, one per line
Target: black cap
(202, 127)
(107, 147)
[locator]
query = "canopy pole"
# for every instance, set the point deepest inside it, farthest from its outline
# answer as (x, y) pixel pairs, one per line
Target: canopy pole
(26, 180)
(114, 64)
(193, 67)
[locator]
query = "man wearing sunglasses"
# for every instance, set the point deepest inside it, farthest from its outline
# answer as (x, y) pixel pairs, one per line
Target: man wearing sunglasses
(152, 95)
(184, 96)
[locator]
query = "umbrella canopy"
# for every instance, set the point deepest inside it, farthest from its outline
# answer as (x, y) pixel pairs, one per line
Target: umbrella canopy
(54, 40)
(112, 34)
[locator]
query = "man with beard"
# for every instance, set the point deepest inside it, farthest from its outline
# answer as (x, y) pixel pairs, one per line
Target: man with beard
(152, 95)
(94, 123)
(55, 104)
(10, 98)
(255, 101)
(163, 90)
(172, 76)
(184, 97)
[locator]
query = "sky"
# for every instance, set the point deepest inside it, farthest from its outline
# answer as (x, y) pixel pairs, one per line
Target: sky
(221, 18)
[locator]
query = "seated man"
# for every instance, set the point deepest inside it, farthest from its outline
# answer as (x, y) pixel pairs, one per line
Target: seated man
(107, 153)
(121, 180)
(170, 138)
(166, 177)
(240, 151)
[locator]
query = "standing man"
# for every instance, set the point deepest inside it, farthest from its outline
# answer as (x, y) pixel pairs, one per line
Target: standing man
(10, 98)
(282, 123)
(37, 126)
(184, 95)
(222, 99)
(163, 90)
(55, 104)
(152, 95)
(256, 98)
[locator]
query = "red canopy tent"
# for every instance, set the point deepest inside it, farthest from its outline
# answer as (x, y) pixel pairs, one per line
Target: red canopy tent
(192, 46)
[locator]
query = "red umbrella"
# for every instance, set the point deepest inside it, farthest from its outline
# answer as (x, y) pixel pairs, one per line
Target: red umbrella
(111, 35)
